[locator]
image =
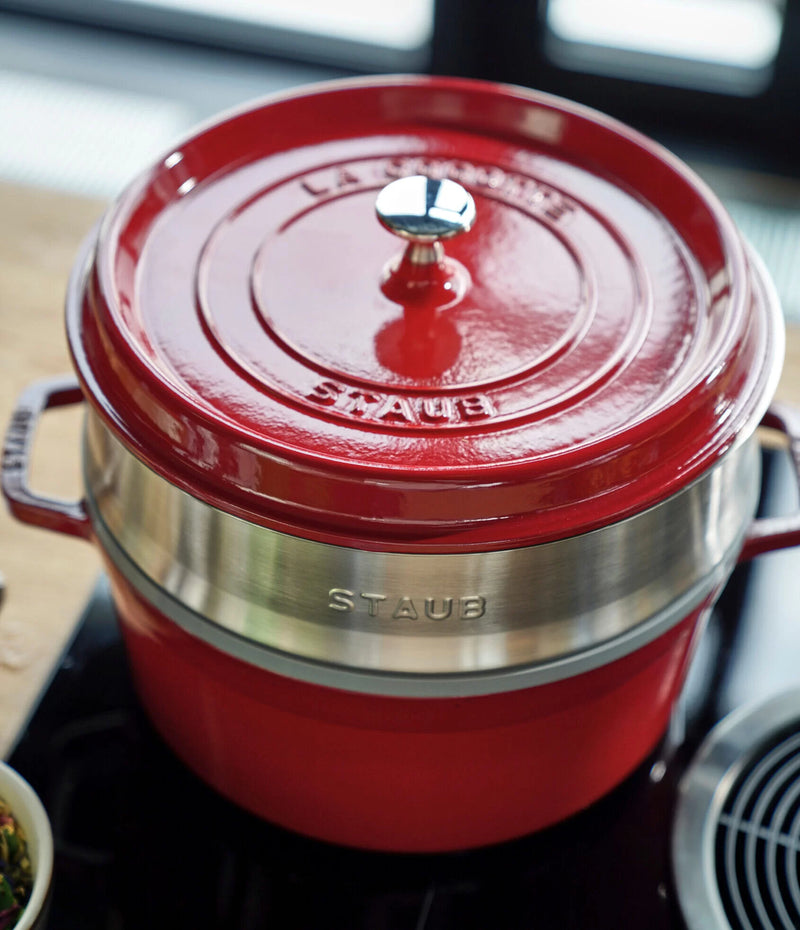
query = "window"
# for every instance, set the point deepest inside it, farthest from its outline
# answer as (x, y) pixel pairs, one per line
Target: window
(719, 45)
(353, 34)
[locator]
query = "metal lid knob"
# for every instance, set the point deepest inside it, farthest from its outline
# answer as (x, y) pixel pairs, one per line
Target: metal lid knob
(425, 211)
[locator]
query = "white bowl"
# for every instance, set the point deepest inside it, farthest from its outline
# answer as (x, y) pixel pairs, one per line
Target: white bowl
(31, 816)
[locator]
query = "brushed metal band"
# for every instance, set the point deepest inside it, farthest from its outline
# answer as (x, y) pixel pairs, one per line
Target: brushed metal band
(450, 614)
(401, 684)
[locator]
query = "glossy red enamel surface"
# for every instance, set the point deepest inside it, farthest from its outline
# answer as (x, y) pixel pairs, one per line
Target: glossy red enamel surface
(404, 774)
(594, 343)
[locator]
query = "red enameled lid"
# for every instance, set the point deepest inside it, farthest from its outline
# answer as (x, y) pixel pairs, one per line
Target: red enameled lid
(252, 330)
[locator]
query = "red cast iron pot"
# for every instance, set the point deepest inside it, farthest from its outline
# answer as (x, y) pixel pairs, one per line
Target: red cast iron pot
(412, 525)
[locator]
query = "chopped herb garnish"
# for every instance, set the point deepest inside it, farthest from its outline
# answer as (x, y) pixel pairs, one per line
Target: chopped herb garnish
(16, 878)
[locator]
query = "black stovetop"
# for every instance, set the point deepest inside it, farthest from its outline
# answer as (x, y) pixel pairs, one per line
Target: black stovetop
(141, 842)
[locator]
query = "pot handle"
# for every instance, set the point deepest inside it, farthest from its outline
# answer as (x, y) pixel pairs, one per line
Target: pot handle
(68, 517)
(769, 533)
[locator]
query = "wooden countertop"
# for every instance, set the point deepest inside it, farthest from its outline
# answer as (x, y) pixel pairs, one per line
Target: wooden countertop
(48, 576)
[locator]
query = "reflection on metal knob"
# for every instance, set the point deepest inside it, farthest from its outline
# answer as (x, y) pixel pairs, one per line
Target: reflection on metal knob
(425, 211)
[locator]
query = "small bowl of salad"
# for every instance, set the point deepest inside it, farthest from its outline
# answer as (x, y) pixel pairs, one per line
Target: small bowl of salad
(26, 854)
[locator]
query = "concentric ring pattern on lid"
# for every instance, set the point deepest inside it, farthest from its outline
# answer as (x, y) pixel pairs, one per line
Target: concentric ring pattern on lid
(595, 342)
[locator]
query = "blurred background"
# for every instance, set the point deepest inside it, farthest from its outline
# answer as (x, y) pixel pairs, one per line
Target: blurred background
(91, 90)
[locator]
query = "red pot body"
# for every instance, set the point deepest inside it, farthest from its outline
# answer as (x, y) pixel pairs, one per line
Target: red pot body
(401, 774)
